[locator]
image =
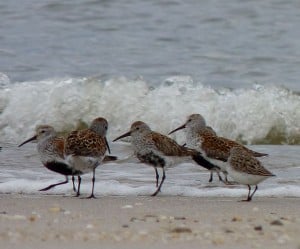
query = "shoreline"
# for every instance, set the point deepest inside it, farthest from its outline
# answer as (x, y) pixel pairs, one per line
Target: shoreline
(159, 222)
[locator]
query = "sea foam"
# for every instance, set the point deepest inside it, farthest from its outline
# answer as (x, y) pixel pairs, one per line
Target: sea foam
(261, 114)
(119, 188)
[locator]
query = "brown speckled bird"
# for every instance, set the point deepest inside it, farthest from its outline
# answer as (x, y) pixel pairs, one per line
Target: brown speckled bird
(246, 169)
(85, 149)
(214, 148)
(158, 151)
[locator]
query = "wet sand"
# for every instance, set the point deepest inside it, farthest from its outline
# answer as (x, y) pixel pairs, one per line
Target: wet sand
(47, 221)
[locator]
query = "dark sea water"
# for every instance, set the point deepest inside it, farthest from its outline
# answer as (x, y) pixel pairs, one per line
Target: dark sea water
(219, 43)
(66, 62)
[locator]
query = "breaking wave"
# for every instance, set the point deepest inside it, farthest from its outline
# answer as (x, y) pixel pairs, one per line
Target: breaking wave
(257, 115)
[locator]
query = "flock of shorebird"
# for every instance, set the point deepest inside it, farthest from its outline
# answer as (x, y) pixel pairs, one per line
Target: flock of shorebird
(83, 150)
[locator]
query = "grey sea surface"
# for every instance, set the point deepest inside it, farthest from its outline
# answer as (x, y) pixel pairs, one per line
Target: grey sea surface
(230, 43)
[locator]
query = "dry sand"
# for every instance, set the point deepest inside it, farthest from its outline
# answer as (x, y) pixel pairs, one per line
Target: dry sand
(46, 221)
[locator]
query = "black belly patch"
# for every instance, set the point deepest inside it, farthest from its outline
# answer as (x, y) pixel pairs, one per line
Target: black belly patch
(62, 168)
(198, 158)
(151, 158)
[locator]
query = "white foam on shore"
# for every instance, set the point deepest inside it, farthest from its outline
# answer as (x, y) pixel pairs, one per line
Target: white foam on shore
(115, 188)
(135, 179)
(22, 172)
(266, 114)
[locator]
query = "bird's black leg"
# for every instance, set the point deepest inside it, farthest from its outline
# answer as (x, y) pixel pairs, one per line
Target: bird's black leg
(227, 182)
(211, 177)
(73, 181)
(248, 197)
(226, 177)
(253, 192)
(157, 176)
(54, 185)
(161, 183)
(78, 187)
(93, 182)
(220, 177)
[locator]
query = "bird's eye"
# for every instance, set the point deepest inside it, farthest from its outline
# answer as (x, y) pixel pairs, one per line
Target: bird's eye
(137, 128)
(43, 131)
(105, 127)
(189, 120)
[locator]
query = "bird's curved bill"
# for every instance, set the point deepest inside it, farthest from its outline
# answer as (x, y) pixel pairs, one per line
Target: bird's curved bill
(28, 140)
(177, 129)
(127, 134)
(107, 145)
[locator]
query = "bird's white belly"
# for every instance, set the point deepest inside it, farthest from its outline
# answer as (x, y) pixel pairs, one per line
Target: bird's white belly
(83, 164)
(221, 164)
(171, 161)
(244, 178)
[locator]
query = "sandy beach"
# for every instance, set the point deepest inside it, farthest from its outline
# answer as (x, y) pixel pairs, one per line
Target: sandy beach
(47, 221)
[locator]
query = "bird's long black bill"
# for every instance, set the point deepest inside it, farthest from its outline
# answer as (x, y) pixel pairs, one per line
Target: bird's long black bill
(107, 145)
(177, 129)
(127, 134)
(28, 140)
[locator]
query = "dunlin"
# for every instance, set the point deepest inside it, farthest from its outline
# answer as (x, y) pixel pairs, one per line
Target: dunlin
(214, 148)
(246, 169)
(50, 147)
(85, 149)
(159, 151)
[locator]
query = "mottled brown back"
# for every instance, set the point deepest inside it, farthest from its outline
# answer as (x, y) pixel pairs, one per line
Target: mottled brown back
(219, 147)
(242, 161)
(85, 143)
(168, 146)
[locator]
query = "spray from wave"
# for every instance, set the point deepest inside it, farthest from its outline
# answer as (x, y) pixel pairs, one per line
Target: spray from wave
(260, 115)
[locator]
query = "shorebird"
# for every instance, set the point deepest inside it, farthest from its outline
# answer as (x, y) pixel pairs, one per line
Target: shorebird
(50, 147)
(85, 149)
(214, 148)
(159, 151)
(246, 169)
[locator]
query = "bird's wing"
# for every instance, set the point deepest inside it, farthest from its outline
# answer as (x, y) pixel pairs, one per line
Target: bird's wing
(215, 148)
(168, 146)
(85, 143)
(249, 164)
(231, 144)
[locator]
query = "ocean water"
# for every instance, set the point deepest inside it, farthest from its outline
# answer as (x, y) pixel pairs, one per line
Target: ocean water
(23, 173)
(64, 63)
(224, 44)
